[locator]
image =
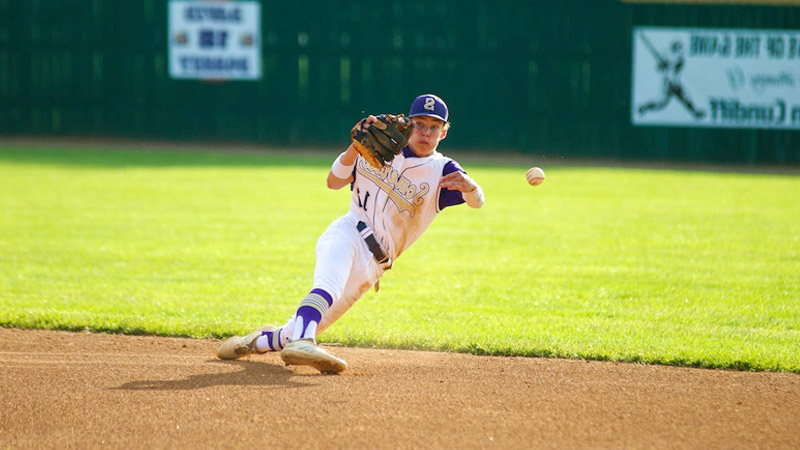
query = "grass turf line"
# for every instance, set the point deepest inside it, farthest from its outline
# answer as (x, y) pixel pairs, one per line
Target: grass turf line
(655, 266)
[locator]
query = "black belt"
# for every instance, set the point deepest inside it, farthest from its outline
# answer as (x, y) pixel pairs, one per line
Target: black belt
(373, 245)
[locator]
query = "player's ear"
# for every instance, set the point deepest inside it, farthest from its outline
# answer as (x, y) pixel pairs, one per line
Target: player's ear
(444, 133)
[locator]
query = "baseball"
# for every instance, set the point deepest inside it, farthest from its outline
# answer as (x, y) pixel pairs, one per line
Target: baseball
(535, 176)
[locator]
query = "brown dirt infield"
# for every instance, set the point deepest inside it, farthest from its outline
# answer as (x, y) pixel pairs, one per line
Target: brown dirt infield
(82, 390)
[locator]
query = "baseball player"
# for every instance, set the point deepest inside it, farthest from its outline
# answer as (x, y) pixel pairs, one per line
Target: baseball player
(670, 68)
(390, 207)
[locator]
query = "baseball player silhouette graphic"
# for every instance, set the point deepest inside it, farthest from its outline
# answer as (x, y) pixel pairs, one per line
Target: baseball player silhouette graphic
(670, 68)
(389, 209)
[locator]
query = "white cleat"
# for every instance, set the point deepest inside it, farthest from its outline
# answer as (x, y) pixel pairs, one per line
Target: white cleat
(305, 352)
(240, 346)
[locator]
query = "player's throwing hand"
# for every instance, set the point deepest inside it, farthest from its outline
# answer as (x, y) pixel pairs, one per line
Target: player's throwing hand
(458, 181)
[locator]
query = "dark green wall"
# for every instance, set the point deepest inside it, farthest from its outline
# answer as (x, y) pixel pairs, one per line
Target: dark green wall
(538, 77)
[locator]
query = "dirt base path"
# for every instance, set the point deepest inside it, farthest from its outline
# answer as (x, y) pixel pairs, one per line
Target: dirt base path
(82, 390)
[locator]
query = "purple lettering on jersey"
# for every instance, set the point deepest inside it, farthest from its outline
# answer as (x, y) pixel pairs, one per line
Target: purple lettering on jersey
(446, 196)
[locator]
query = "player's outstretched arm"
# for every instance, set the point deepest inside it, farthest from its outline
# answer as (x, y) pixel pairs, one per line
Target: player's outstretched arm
(470, 190)
(341, 173)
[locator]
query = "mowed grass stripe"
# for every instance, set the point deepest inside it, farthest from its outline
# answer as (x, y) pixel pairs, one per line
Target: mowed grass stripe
(657, 266)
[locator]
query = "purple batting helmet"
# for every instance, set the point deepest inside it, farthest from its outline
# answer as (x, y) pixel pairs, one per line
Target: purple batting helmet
(431, 106)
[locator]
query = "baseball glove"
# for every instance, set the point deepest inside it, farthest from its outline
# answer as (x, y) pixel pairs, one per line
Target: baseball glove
(384, 138)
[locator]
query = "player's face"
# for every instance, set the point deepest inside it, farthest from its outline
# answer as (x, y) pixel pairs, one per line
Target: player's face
(428, 131)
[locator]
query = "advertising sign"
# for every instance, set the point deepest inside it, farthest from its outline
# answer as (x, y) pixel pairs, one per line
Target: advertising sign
(700, 77)
(214, 40)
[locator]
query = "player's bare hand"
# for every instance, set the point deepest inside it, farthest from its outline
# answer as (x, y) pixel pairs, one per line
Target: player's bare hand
(458, 181)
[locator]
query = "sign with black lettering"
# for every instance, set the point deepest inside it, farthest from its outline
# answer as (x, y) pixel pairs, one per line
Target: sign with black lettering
(716, 77)
(216, 40)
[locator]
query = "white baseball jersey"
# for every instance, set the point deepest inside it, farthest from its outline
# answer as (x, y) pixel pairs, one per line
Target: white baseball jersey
(401, 200)
(398, 202)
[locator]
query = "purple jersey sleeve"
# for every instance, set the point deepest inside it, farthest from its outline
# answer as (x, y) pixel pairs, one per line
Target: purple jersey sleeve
(446, 196)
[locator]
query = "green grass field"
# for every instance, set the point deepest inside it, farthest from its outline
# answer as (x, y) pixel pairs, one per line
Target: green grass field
(658, 266)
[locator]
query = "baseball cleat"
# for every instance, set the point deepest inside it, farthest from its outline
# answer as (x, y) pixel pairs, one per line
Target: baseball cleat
(240, 346)
(305, 352)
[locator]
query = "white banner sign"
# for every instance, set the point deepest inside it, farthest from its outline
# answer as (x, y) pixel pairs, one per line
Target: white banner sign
(716, 77)
(214, 40)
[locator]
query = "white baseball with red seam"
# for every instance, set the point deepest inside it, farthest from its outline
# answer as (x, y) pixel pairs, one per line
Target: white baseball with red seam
(535, 176)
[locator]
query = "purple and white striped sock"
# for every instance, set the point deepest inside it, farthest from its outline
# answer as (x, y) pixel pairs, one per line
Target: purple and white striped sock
(271, 341)
(310, 313)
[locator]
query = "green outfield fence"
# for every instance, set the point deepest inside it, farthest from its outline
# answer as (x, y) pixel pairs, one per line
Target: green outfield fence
(537, 77)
